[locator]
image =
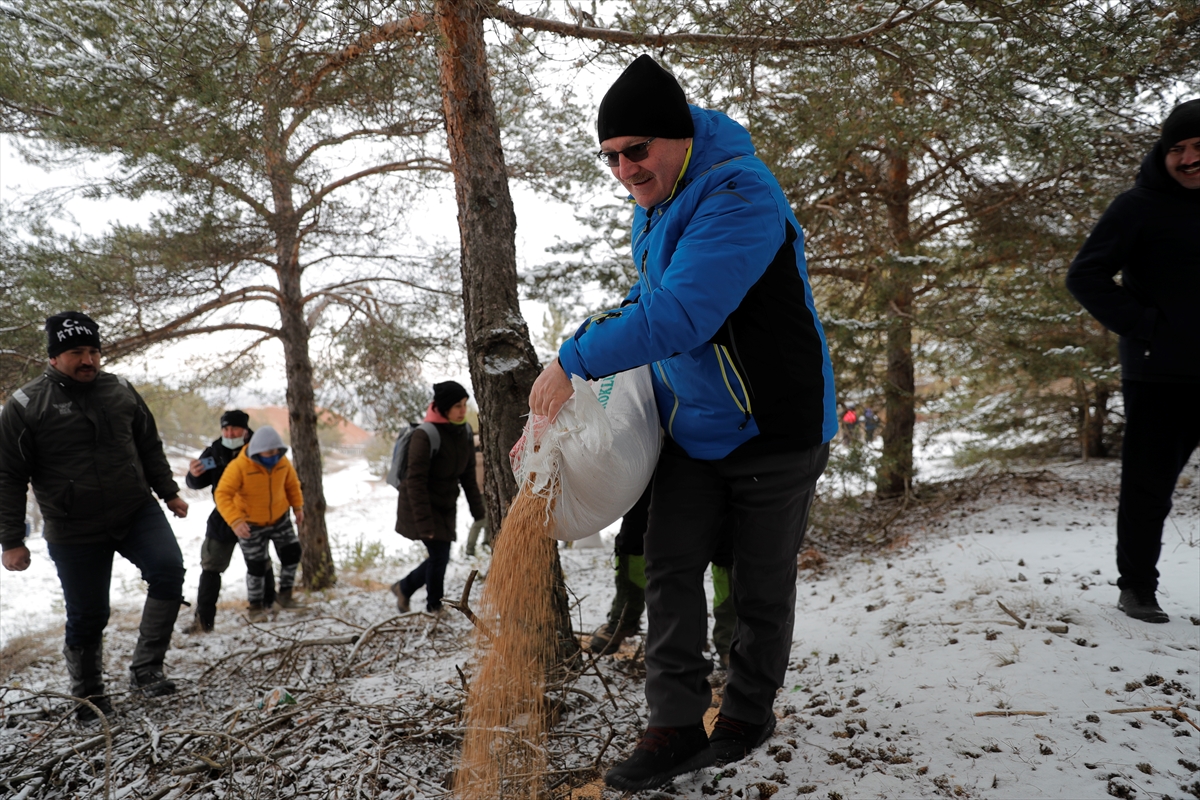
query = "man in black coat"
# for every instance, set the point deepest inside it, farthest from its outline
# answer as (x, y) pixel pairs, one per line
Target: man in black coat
(220, 542)
(1149, 235)
(89, 445)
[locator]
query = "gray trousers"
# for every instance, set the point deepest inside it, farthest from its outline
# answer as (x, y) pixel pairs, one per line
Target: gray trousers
(768, 498)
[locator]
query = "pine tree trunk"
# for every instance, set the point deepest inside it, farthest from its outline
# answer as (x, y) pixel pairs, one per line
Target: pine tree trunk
(316, 561)
(502, 360)
(894, 476)
(317, 570)
(1093, 440)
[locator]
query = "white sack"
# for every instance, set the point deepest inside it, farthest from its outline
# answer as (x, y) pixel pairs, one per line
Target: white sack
(592, 542)
(597, 457)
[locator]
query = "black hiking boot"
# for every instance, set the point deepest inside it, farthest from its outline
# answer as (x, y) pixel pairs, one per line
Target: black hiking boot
(607, 639)
(151, 682)
(402, 604)
(1141, 605)
(205, 615)
(660, 755)
(732, 740)
(86, 668)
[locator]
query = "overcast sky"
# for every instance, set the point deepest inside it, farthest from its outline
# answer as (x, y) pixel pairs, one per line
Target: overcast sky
(539, 222)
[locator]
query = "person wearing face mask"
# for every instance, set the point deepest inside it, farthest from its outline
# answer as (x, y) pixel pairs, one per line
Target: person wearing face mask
(253, 497)
(219, 539)
(1148, 234)
(425, 511)
(89, 445)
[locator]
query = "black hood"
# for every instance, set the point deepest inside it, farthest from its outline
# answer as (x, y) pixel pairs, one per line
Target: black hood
(1153, 175)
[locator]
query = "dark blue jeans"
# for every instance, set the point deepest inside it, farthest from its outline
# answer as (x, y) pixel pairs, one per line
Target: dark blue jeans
(1160, 436)
(85, 571)
(430, 573)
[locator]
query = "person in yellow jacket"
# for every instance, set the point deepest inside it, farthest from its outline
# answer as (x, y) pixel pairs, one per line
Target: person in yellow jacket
(254, 495)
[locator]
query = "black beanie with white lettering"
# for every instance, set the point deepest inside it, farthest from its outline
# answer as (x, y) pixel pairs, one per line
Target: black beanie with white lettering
(645, 101)
(70, 329)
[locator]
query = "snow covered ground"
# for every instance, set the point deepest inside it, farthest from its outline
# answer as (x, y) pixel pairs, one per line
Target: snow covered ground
(907, 678)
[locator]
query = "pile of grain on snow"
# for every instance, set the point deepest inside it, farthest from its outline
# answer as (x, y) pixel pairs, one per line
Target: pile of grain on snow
(503, 752)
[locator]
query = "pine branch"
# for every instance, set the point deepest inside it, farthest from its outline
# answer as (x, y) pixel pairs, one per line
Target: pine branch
(579, 31)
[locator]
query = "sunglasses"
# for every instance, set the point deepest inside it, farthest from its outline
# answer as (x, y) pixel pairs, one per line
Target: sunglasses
(636, 153)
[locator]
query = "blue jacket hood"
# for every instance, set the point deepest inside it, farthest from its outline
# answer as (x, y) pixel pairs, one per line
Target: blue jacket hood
(718, 138)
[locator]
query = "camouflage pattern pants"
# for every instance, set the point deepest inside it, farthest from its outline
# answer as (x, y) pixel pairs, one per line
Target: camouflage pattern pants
(258, 560)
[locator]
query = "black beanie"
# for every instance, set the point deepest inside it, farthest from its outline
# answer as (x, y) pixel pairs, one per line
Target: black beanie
(67, 330)
(235, 417)
(645, 101)
(445, 395)
(1182, 123)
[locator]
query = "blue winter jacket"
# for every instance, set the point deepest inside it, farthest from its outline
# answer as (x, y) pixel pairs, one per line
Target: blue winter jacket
(722, 309)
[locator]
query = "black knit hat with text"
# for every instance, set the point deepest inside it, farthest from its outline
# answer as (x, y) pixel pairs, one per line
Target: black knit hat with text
(67, 330)
(445, 395)
(1182, 123)
(235, 417)
(645, 101)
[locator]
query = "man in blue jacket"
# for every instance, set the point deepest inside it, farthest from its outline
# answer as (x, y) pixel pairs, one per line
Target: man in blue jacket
(723, 313)
(1149, 234)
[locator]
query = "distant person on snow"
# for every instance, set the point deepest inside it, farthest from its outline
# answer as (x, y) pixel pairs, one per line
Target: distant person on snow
(1149, 235)
(870, 422)
(254, 496)
(426, 508)
(849, 424)
(723, 314)
(219, 539)
(89, 445)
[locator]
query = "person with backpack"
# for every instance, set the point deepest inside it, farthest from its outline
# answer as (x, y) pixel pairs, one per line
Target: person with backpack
(870, 421)
(435, 459)
(849, 423)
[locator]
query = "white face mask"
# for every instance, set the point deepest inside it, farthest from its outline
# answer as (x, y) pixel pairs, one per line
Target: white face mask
(233, 444)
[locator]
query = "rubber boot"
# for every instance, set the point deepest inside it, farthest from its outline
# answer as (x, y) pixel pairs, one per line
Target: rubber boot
(86, 668)
(269, 595)
(205, 616)
(625, 615)
(257, 613)
(724, 614)
(473, 536)
(154, 639)
(287, 601)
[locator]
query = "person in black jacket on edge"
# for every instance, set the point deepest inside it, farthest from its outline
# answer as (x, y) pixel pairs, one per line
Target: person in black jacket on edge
(1149, 235)
(89, 445)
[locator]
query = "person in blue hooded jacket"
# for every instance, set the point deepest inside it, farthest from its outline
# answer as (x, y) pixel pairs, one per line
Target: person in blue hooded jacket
(723, 313)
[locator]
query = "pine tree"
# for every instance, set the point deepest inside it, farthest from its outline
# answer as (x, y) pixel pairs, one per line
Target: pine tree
(272, 135)
(901, 131)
